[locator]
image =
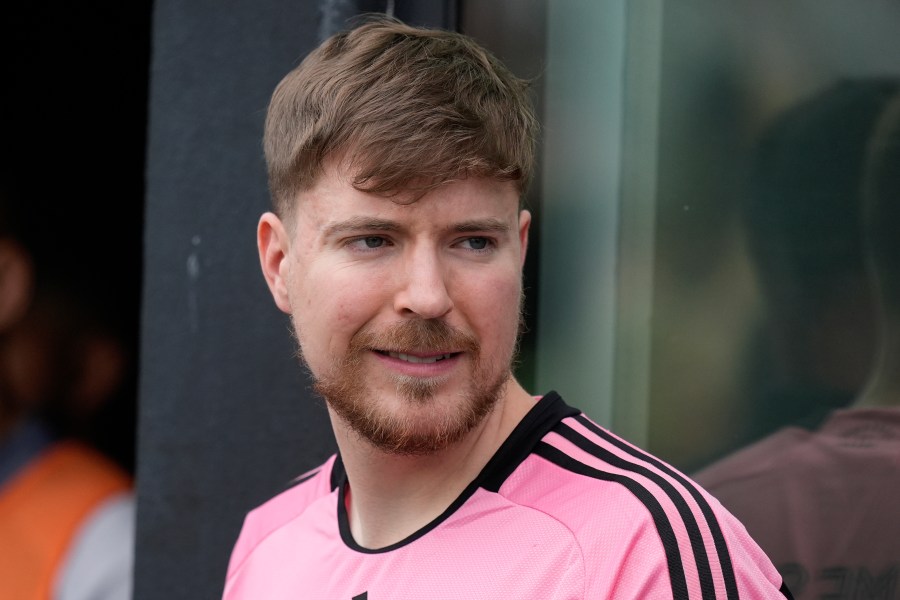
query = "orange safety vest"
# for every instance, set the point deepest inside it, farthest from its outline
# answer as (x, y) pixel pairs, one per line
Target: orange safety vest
(41, 509)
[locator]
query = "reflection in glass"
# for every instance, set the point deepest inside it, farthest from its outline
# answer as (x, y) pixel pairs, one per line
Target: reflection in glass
(820, 495)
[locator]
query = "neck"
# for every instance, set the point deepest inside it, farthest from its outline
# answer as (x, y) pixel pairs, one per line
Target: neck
(393, 496)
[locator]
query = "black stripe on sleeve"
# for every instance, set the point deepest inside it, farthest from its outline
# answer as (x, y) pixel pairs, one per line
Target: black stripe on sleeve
(705, 508)
(707, 587)
(663, 527)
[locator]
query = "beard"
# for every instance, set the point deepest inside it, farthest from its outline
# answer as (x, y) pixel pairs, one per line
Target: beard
(425, 424)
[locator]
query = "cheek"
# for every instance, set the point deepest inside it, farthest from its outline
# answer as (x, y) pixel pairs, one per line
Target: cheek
(334, 308)
(493, 306)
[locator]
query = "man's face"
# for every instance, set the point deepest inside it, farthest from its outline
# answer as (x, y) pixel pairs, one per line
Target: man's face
(407, 314)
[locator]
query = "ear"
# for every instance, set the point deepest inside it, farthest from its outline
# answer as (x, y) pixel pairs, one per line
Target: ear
(273, 244)
(524, 225)
(16, 283)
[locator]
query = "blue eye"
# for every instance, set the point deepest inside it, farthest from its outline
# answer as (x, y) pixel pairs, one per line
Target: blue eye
(368, 242)
(478, 244)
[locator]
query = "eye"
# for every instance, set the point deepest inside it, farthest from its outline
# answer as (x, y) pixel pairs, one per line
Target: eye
(369, 242)
(478, 244)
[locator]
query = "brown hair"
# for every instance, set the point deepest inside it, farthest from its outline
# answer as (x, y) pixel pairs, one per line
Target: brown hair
(405, 109)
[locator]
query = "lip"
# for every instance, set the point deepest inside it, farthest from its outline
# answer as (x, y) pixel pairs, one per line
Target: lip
(419, 364)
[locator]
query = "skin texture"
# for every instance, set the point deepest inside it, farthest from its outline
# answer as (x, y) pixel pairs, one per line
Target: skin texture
(363, 276)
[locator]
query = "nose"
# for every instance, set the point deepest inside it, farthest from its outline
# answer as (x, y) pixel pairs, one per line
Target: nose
(423, 288)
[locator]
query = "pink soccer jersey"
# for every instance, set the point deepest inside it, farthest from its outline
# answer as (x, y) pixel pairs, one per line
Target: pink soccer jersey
(563, 510)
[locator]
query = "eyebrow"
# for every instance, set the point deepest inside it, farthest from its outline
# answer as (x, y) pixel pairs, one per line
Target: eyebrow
(361, 224)
(489, 225)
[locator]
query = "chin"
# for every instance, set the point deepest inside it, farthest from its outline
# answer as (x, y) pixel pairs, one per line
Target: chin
(413, 423)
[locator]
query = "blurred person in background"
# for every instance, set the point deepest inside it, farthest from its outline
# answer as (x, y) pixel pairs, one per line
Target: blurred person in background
(819, 496)
(66, 509)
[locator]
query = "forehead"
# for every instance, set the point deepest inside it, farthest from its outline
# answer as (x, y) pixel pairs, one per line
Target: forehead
(333, 197)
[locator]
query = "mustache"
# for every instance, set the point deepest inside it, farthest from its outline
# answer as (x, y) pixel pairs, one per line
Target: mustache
(412, 335)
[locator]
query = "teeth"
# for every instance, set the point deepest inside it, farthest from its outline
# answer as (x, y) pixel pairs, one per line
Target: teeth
(417, 359)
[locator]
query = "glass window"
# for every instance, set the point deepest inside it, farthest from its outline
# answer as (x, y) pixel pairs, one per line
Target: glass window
(719, 269)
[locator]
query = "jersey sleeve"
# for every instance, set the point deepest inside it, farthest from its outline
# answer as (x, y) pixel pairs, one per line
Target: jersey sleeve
(647, 530)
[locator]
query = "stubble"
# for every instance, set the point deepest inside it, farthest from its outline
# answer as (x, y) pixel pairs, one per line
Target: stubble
(430, 423)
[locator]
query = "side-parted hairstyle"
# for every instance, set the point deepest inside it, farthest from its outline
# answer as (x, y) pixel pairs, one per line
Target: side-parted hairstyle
(403, 109)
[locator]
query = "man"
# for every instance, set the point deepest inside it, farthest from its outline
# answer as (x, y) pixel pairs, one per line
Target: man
(397, 159)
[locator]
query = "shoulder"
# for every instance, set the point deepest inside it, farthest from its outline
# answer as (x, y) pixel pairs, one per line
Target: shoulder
(80, 512)
(74, 469)
(281, 509)
(759, 461)
(637, 517)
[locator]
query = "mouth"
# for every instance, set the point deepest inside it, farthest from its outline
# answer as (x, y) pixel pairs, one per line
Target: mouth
(418, 359)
